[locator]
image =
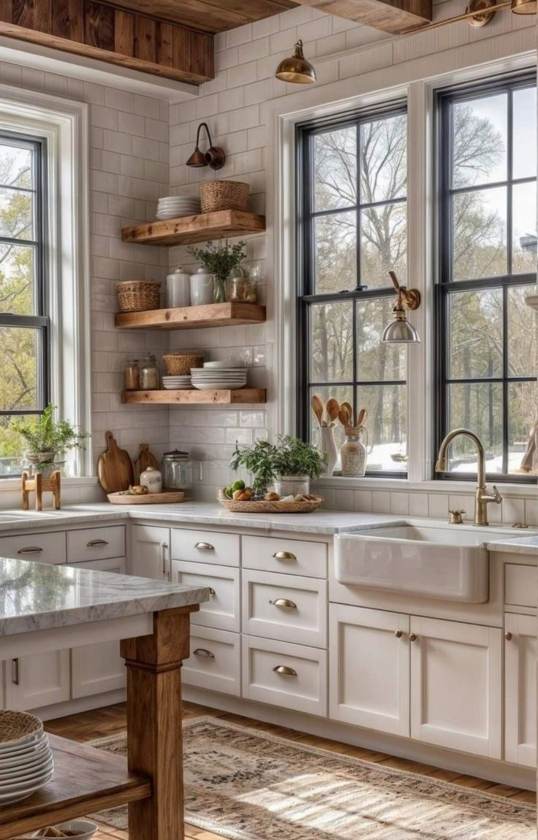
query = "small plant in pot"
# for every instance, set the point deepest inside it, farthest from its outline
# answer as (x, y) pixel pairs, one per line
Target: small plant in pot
(220, 261)
(289, 465)
(47, 440)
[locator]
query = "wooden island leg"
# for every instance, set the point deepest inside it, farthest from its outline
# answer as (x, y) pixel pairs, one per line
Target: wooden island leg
(154, 715)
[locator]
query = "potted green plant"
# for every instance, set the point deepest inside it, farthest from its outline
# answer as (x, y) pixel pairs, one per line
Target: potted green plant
(295, 463)
(289, 465)
(220, 261)
(47, 439)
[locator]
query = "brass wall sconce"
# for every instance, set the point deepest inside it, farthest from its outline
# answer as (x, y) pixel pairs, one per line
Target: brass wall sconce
(214, 157)
(400, 331)
(296, 68)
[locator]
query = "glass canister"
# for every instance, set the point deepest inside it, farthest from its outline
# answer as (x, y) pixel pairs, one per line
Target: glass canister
(177, 470)
(150, 379)
(353, 453)
(241, 287)
(131, 376)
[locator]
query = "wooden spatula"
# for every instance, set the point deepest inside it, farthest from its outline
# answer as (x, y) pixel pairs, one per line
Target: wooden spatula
(361, 417)
(317, 407)
(114, 467)
(349, 409)
(343, 415)
(332, 408)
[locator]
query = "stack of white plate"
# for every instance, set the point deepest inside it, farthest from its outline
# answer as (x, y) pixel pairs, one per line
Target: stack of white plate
(177, 383)
(175, 206)
(215, 377)
(26, 761)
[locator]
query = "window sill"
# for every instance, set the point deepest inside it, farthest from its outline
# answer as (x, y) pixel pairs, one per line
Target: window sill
(428, 486)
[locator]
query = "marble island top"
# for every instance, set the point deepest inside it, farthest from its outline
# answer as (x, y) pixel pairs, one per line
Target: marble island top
(39, 596)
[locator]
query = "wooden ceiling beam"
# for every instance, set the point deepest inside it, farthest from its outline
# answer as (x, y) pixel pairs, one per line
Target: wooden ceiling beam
(115, 35)
(393, 16)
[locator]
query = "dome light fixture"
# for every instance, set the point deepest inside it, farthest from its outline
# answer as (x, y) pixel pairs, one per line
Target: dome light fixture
(296, 68)
(214, 157)
(400, 331)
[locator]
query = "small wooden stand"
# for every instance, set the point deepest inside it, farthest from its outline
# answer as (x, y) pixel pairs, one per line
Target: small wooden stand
(40, 484)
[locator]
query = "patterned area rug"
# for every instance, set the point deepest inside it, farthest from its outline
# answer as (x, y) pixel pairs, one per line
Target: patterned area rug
(248, 785)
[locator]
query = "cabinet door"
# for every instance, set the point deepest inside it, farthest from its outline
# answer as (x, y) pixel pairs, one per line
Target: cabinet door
(456, 685)
(38, 680)
(369, 668)
(222, 610)
(150, 551)
(98, 668)
(520, 653)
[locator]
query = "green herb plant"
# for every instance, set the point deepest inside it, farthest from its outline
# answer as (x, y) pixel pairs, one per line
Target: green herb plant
(220, 261)
(266, 461)
(44, 434)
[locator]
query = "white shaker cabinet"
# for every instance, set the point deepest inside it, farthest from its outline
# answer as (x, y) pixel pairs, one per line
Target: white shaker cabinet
(38, 680)
(456, 684)
(98, 668)
(369, 668)
(520, 652)
(150, 551)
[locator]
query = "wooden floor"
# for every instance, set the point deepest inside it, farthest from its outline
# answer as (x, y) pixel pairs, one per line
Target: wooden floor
(108, 721)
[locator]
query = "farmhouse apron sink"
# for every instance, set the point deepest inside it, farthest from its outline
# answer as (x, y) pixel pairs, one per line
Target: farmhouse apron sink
(447, 564)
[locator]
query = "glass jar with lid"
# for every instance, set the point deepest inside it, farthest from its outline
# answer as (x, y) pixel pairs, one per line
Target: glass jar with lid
(131, 376)
(150, 379)
(177, 470)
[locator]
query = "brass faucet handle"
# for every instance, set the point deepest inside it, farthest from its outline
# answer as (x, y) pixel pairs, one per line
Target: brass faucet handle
(497, 498)
(455, 517)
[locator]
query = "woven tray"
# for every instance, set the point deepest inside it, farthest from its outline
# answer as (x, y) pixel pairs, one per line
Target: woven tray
(271, 507)
(18, 726)
(165, 498)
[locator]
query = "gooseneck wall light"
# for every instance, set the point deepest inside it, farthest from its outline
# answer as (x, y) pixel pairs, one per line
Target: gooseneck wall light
(400, 331)
(214, 157)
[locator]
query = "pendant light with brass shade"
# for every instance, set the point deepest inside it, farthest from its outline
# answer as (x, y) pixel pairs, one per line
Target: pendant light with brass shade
(296, 68)
(400, 331)
(524, 7)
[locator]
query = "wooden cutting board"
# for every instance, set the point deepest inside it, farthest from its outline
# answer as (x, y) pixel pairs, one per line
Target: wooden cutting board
(114, 467)
(145, 459)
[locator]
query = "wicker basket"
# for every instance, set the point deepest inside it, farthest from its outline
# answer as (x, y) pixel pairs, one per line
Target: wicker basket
(262, 506)
(138, 295)
(223, 195)
(18, 727)
(177, 364)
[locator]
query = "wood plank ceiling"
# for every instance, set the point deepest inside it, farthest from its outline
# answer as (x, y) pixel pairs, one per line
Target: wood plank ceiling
(209, 15)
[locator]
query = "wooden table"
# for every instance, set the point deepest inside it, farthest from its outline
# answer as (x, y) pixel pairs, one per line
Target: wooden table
(86, 779)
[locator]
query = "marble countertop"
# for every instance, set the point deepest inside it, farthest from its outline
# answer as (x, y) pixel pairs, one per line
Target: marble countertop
(38, 596)
(516, 545)
(326, 522)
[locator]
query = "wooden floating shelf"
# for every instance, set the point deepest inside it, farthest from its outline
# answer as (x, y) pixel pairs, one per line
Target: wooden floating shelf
(189, 229)
(241, 396)
(85, 780)
(190, 317)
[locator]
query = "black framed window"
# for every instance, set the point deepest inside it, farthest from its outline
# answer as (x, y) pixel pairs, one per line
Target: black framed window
(486, 338)
(352, 228)
(24, 320)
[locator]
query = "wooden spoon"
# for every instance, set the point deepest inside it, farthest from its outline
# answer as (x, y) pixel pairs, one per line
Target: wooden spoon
(317, 407)
(343, 415)
(349, 409)
(362, 417)
(332, 408)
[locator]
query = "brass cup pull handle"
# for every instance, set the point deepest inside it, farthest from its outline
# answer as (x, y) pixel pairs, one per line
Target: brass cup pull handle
(204, 546)
(284, 602)
(212, 592)
(285, 671)
(508, 636)
(398, 634)
(284, 555)
(95, 543)
(203, 652)
(30, 549)
(413, 637)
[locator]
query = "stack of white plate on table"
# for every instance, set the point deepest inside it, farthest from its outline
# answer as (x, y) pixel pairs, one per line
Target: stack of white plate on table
(218, 376)
(177, 383)
(175, 206)
(26, 761)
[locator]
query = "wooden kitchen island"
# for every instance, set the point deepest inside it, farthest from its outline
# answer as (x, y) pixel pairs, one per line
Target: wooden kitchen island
(49, 607)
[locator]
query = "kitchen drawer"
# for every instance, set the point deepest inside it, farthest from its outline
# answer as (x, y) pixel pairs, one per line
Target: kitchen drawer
(285, 607)
(520, 585)
(95, 543)
(205, 547)
(291, 676)
(46, 548)
(215, 661)
(294, 557)
(222, 609)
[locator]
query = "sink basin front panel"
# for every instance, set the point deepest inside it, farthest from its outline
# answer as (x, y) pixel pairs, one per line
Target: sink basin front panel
(429, 569)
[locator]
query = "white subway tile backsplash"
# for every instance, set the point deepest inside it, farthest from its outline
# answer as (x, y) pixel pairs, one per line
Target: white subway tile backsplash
(438, 505)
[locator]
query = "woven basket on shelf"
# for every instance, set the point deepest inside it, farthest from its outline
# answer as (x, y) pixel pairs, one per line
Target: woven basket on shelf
(223, 195)
(177, 364)
(138, 295)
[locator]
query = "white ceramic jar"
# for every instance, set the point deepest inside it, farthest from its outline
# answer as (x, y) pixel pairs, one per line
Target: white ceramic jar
(178, 288)
(201, 285)
(152, 479)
